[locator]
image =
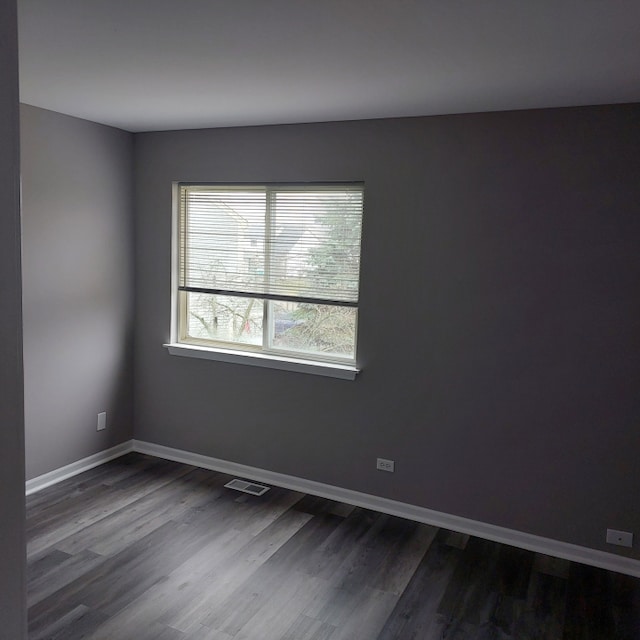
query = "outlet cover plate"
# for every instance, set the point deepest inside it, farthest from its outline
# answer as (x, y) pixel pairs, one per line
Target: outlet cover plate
(102, 421)
(620, 538)
(385, 465)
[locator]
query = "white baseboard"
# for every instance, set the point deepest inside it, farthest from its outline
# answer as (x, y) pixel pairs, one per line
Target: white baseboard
(73, 469)
(484, 530)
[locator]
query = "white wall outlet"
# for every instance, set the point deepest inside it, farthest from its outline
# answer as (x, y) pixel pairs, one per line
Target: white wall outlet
(102, 421)
(621, 538)
(385, 465)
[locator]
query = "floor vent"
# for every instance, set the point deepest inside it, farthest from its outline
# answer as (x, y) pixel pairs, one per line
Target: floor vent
(247, 487)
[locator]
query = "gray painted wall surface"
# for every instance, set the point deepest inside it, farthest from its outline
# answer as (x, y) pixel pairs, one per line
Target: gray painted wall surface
(12, 541)
(78, 287)
(499, 326)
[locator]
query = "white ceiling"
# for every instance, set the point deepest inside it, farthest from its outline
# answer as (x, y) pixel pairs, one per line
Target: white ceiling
(159, 64)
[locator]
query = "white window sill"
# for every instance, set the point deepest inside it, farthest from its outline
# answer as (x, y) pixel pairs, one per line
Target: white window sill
(329, 369)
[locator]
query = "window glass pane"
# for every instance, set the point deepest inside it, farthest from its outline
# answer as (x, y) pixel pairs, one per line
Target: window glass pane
(315, 243)
(314, 328)
(224, 318)
(225, 232)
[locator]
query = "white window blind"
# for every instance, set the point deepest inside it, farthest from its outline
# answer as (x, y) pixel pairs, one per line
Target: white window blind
(274, 242)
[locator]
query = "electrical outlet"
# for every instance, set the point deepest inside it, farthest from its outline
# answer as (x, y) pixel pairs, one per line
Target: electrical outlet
(385, 465)
(102, 421)
(621, 538)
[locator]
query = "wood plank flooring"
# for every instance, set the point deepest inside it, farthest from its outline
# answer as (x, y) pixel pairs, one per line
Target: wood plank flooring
(146, 549)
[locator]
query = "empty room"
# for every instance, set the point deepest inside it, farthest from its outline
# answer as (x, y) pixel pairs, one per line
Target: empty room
(320, 320)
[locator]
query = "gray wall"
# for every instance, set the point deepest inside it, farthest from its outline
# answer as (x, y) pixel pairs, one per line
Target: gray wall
(499, 326)
(12, 542)
(78, 286)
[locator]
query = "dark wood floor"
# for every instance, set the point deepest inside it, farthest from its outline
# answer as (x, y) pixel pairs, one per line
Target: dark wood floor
(145, 549)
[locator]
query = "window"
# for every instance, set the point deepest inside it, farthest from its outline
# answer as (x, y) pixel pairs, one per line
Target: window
(269, 269)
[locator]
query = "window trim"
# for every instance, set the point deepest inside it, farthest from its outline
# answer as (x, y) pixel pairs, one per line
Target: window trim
(261, 357)
(266, 360)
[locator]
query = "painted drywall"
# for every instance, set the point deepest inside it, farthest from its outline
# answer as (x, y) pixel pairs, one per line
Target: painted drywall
(499, 333)
(12, 523)
(78, 287)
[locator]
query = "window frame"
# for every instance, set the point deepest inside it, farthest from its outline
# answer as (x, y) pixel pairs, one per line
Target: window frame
(257, 355)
